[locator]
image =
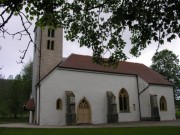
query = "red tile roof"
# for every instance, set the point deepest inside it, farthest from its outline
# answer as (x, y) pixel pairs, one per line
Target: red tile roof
(81, 62)
(29, 106)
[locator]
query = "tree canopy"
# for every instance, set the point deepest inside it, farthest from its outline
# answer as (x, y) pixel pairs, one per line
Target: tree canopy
(15, 92)
(167, 64)
(27, 80)
(100, 24)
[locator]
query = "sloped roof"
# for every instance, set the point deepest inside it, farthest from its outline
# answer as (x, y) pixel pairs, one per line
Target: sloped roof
(29, 106)
(82, 62)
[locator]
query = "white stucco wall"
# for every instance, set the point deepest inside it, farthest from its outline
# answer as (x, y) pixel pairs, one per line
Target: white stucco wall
(146, 90)
(91, 85)
(37, 108)
(145, 103)
(167, 92)
(142, 84)
(35, 77)
(144, 96)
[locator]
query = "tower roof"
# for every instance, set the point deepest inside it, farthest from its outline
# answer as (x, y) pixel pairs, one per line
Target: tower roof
(82, 62)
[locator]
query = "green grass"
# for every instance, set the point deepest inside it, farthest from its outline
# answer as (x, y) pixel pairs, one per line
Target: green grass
(23, 119)
(17, 120)
(93, 131)
(178, 114)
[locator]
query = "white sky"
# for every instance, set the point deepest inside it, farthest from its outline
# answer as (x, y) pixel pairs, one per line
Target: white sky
(10, 55)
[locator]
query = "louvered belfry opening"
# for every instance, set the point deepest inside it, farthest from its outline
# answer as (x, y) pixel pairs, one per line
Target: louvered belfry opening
(112, 115)
(70, 108)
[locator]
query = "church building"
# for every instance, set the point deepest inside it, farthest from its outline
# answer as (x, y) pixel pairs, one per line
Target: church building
(74, 90)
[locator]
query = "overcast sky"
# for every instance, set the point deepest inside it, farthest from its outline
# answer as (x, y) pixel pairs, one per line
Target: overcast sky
(10, 52)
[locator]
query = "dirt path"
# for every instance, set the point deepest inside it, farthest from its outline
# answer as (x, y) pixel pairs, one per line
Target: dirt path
(122, 124)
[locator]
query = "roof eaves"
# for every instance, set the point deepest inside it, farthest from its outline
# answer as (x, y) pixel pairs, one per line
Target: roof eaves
(161, 84)
(91, 70)
(48, 74)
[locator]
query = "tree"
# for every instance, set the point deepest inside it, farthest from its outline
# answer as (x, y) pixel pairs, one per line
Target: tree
(15, 92)
(27, 80)
(20, 90)
(99, 24)
(15, 97)
(4, 91)
(167, 64)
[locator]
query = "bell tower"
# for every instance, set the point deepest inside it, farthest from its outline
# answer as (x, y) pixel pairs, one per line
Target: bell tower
(47, 55)
(47, 52)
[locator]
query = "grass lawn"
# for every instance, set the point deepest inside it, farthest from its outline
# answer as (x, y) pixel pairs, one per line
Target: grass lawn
(12, 120)
(178, 114)
(23, 118)
(93, 131)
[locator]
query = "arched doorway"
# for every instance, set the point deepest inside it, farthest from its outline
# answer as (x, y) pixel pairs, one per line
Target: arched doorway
(83, 112)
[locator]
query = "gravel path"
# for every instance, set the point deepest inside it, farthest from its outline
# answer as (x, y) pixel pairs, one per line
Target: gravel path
(122, 124)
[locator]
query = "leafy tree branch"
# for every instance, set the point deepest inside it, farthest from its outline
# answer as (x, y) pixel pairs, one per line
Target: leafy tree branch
(167, 64)
(99, 24)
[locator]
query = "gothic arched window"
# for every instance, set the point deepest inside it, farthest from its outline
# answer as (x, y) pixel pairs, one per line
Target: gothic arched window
(59, 104)
(163, 104)
(123, 100)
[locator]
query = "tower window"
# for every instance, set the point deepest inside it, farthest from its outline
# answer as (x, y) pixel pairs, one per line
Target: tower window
(50, 45)
(50, 32)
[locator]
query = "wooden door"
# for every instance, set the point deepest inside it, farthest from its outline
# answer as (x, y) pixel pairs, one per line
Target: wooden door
(83, 112)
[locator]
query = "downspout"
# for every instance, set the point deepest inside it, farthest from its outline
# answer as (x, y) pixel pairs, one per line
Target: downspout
(141, 93)
(144, 90)
(138, 97)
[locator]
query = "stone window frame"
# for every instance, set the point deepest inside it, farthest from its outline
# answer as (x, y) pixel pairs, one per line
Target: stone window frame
(163, 103)
(123, 101)
(59, 105)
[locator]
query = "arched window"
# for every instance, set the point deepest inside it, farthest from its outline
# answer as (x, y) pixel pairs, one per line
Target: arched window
(50, 44)
(50, 32)
(123, 100)
(163, 104)
(59, 104)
